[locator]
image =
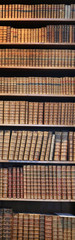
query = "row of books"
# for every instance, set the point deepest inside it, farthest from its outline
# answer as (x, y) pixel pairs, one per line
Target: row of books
(38, 182)
(37, 146)
(48, 34)
(38, 85)
(47, 113)
(36, 226)
(37, 11)
(37, 57)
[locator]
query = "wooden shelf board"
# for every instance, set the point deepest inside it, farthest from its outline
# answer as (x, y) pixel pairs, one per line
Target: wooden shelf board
(35, 95)
(36, 125)
(36, 43)
(37, 20)
(35, 200)
(38, 162)
(37, 68)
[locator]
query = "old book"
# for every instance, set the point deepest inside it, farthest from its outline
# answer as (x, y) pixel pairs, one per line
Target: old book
(59, 181)
(46, 113)
(40, 113)
(48, 227)
(57, 146)
(20, 226)
(44, 145)
(64, 146)
(73, 228)
(28, 146)
(38, 146)
(22, 112)
(28, 182)
(6, 143)
(7, 223)
(60, 227)
(64, 182)
(70, 140)
(17, 147)
(36, 226)
(74, 146)
(18, 185)
(33, 146)
(43, 186)
(22, 145)
(46, 182)
(1, 222)
(26, 226)
(32, 182)
(55, 228)
(42, 225)
(21, 183)
(4, 182)
(25, 181)
(35, 181)
(31, 226)
(51, 113)
(72, 181)
(17, 110)
(54, 182)
(48, 148)
(15, 226)
(1, 145)
(52, 148)
(38, 182)
(31, 105)
(12, 145)
(50, 182)
(1, 112)
(35, 113)
(65, 227)
(14, 183)
(1, 182)
(10, 193)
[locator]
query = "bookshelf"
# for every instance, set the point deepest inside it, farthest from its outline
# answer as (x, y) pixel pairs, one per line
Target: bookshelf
(34, 200)
(35, 95)
(37, 125)
(37, 20)
(38, 68)
(38, 162)
(13, 72)
(38, 44)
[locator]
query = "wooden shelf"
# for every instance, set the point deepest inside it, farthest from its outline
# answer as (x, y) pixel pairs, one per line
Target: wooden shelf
(37, 68)
(38, 162)
(35, 200)
(36, 44)
(36, 125)
(35, 95)
(37, 20)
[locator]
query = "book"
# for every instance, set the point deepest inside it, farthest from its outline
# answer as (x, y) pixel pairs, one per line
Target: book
(37, 11)
(40, 85)
(20, 225)
(37, 58)
(37, 145)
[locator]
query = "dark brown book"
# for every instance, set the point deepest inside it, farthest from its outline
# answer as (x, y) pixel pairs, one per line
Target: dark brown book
(1, 223)
(7, 223)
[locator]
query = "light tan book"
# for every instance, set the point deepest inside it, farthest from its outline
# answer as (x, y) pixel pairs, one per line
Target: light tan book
(6, 142)
(48, 148)
(22, 145)
(28, 146)
(44, 146)
(12, 145)
(1, 145)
